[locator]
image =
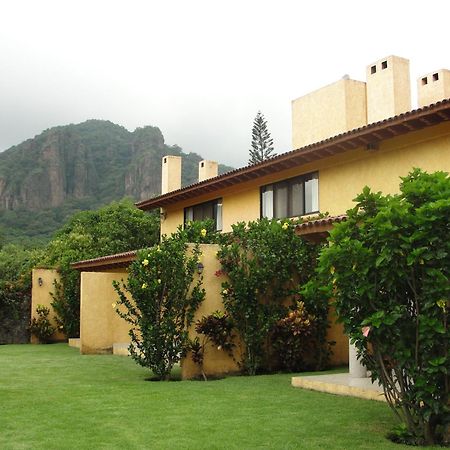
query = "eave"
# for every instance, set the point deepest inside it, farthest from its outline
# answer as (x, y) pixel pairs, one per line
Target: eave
(317, 230)
(367, 137)
(117, 261)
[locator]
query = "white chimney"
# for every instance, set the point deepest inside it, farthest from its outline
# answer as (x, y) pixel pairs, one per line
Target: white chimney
(388, 88)
(207, 169)
(433, 87)
(171, 174)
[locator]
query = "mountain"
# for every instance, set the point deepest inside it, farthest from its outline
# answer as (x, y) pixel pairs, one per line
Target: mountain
(69, 168)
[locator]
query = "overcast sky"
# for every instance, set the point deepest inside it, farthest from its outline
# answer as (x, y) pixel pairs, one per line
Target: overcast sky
(199, 70)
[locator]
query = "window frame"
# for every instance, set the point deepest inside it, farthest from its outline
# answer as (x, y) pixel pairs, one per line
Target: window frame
(290, 182)
(217, 207)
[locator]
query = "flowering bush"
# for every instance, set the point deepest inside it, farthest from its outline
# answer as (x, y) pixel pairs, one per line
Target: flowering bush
(389, 269)
(201, 232)
(165, 294)
(266, 264)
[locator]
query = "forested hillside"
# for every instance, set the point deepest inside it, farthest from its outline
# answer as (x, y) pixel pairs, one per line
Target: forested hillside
(65, 169)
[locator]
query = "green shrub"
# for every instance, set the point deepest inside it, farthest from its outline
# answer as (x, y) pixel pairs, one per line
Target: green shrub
(115, 228)
(16, 263)
(41, 326)
(217, 329)
(164, 297)
(294, 340)
(266, 264)
(389, 266)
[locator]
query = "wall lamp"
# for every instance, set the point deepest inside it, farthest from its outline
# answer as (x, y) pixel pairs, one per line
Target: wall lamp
(200, 268)
(40, 281)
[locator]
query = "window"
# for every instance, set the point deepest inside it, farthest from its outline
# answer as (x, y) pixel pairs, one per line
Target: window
(291, 198)
(204, 211)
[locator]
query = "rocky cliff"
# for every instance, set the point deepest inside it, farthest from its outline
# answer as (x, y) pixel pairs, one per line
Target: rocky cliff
(93, 159)
(84, 165)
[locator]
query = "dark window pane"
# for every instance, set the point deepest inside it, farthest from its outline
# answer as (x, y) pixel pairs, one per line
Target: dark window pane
(281, 200)
(291, 198)
(296, 207)
(204, 211)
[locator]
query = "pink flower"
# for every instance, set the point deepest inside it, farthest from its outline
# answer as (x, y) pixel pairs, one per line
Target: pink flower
(365, 331)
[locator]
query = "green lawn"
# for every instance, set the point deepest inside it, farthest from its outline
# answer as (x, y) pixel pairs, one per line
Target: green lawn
(53, 398)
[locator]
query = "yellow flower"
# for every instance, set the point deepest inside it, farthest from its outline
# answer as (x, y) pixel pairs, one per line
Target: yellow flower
(144, 285)
(203, 232)
(159, 281)
(285, 226)
(442, 304)
(332, 269)
(113, 305)
(225, 292)
(145, 262)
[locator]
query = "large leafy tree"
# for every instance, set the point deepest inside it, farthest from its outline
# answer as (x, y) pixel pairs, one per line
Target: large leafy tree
(16, 263)
(262, 143)
(389, 268)
(115, 228)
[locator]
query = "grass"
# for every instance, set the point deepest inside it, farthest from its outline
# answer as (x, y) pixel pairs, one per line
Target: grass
(53, 398)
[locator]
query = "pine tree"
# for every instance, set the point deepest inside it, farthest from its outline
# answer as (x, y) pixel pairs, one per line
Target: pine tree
(262, 143)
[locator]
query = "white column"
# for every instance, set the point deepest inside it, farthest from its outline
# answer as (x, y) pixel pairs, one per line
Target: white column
(355, 368)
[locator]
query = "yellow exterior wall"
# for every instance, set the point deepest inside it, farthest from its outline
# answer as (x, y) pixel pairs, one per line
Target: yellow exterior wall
(341, 177)
(380, 170)
(243, 206)
(328, 111)
(216, 362)
(171, 219)
(42, 295)
(100, 326)
(335, 333)
(101, 329)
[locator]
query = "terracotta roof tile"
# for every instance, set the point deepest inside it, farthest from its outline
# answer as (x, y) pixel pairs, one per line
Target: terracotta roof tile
(310, 225)
(366, 136)
(106, 262)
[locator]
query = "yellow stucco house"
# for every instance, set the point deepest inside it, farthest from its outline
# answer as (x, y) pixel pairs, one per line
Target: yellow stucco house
(345, 136)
